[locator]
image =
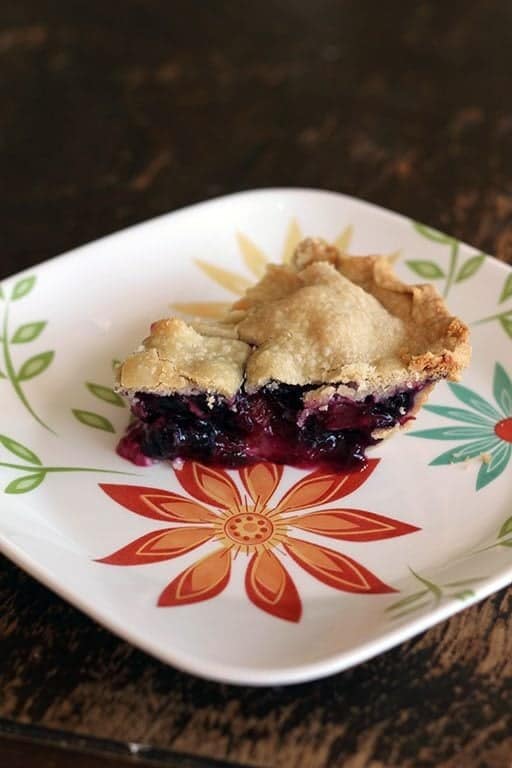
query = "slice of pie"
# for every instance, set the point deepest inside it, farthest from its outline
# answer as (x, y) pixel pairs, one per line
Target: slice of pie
(318, 361)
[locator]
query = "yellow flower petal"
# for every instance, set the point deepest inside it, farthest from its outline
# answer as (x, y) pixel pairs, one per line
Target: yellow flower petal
(253, 256)
(293, 238)
(343, 241)
(229, 280)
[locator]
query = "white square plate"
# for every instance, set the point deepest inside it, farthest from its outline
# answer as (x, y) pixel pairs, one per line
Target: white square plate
(353, 564)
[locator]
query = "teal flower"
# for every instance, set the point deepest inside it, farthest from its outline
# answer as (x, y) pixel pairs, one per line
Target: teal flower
(489, 433)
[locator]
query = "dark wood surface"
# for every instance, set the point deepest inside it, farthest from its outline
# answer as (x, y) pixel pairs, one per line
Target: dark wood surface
(113, 112)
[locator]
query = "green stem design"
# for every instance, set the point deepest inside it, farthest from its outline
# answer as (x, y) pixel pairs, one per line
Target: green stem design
(11, 373)
(431, 596)
(502, 541)
(33, 468)
(492, 317)
(433, 588)
(454, 255)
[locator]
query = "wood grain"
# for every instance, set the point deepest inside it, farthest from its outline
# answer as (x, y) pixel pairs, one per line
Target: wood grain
(113, 113)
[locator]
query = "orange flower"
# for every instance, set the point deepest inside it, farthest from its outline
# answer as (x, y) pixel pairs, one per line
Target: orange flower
(251, 526)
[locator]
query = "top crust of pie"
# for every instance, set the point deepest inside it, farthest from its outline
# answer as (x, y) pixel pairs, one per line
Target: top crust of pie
(327, 320)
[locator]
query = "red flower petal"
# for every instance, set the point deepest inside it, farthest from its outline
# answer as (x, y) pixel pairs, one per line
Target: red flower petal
(270, 587)
(158, 504)
(261, 480)
(334, 569)
(351, 525)
(201, 581)
(319, 487)
(160, 545)
(213, 486)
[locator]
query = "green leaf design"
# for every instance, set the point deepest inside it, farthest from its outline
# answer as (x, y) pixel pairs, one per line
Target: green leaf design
(465, 594)
(19, 450)
(26, 483)
(115, 364)
(413, 608)
(459, 414)
(407, 600)
(432, 234)
(469, 267)
(28, 332)
(419, 600)
(502, 389)
(92, 420)
(105, 393)
(506, 324)
(452, 433)
(463, 452)
(35, 365)
(434, 588)
(1, 292)
(23, 287)
(506, 293)
(506, 528)
(489, 472)
(426, 269)
(2, 375)
(468, 397)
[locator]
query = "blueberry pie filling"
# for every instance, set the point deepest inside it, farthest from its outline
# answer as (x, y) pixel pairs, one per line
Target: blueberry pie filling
(318, 361)
(270, 425)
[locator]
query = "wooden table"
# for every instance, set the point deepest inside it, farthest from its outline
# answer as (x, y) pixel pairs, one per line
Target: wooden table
(114, 112)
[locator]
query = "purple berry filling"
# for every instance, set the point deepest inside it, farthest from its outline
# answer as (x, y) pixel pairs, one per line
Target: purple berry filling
(269, 425)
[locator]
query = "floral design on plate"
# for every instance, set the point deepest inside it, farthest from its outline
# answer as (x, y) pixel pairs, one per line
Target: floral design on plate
(503, 538)
(431, 594)
(24, 334)
(256, 528)
(489, 434)
(504, 318)
(33, 471)
(106, 395)
(455, 273)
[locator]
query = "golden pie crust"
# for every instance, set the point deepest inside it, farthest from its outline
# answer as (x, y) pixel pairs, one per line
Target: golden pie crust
(340, 323)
